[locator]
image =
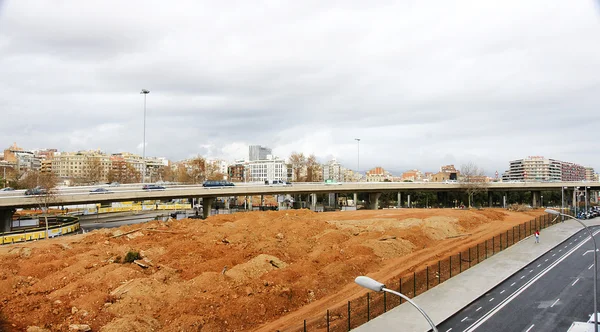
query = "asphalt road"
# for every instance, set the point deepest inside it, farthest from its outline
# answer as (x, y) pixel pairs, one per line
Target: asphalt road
(547, 295)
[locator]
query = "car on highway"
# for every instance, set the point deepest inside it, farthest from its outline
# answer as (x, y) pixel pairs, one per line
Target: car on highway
(35, 191)
(277, 183)
(217, 183)
(114, 184)
(7, 189)
(100, 191)
(153, 187)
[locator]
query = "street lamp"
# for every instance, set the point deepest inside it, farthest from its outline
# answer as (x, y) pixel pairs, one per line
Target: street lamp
(376, 286)
(542, 200)
(358, 155)
(586, 199)
(556, 213)
(144, 92)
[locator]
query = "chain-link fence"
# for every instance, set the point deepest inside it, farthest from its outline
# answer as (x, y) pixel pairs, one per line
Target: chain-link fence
(360, 310)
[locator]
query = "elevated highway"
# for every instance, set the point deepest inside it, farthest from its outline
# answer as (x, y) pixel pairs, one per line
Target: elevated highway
(82, 195)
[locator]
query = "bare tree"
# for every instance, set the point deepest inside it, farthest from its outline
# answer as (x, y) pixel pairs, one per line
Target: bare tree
(298, 162)
(46, 194)
(472, 179)
(312, 169)
(212, 172)
(198, 169)
(182, 175)
(95, 170)
(123, 172)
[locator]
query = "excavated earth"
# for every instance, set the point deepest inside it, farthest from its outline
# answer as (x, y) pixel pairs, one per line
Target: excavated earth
(260, 271)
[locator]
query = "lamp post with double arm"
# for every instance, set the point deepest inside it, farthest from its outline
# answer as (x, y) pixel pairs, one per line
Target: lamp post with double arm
(144, 92)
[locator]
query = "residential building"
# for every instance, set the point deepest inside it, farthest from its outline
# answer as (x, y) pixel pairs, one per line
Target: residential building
(21, 160)
(266, 170)
(218, 166)
(446, 173)
(539, 168)
(86, 166)
(236, 172)
(412, 175)
(334, 171)
(377, 174)
(589, 174)
(257, 152)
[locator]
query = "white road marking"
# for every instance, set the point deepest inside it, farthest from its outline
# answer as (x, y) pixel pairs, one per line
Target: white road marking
(554, 303)
(590, 266)
(576, 280)
(513, 284)
(530, 271)
(529, 329)
(464, 319)
(522, 277)
(570, 242)
(448, 330)
(553, 255)
(478, 309)
(559, 250)
(503, 291)
(521, 289)
(539, 265)
(492, 299)
(546, 260)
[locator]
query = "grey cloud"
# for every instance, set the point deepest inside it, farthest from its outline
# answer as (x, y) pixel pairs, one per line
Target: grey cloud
(422, 84)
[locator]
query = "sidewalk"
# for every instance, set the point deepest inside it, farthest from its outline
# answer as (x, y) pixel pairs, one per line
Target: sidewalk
(449, 297)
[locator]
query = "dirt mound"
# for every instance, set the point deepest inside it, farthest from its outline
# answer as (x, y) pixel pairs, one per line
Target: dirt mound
(245, 271)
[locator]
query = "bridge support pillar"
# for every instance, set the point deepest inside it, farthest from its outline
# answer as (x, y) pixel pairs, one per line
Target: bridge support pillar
(536, 199)
(249, 203)
(6, 219)
(207, 205)
(490, 199)
(399, 200)
(374, 201)
(408, 201)
(227, 203)
(356, 200)
(313, 202)
(262, 202)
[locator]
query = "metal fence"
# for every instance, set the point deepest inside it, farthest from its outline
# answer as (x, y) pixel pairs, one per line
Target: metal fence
(360, 310)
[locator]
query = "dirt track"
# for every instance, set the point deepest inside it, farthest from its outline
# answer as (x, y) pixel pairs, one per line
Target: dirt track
(248, 271)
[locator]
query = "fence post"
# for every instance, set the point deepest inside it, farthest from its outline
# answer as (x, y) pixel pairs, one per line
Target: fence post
(450, 266)
(460, 262)
(469, 257)
(513, 231)
(414, 284)
(384, 302)
(427, 278)
(327, 320)
(400, 289)
(501, 242)
(348, 315)
(369, 306)
(439, 272)
(494, 244)
(305, 325)
(507, 238)
(478, 251)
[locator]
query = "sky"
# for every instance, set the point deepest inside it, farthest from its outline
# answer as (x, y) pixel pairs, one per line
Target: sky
(421, 83)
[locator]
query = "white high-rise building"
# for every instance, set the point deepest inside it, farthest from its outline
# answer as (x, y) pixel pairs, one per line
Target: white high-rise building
(257, 152)
(266, 170)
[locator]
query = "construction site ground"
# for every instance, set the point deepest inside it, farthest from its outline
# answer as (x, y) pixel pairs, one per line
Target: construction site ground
(252, 271)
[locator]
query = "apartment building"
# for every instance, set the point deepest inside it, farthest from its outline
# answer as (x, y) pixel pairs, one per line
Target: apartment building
(21, 160)
(446, 173)
(539, 168)
(377, 174)
(334, 171)
(412, 175)
(589, 174)
(237, 172)
(266, 170)
(87, 166)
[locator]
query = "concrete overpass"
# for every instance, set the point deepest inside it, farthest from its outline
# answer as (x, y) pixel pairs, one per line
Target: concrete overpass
(81, 195)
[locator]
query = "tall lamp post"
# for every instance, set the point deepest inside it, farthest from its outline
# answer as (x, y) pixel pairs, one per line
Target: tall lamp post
(357, 155)
(542, 200)
(144, 92)
(376, 286)
(556, 213)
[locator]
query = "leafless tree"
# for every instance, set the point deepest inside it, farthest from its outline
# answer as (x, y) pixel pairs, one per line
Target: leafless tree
(472, 180)
(312, 169)
(298, 162)
(48, 195)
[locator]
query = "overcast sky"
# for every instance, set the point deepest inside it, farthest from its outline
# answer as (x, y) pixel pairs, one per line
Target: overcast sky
(421, 83)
